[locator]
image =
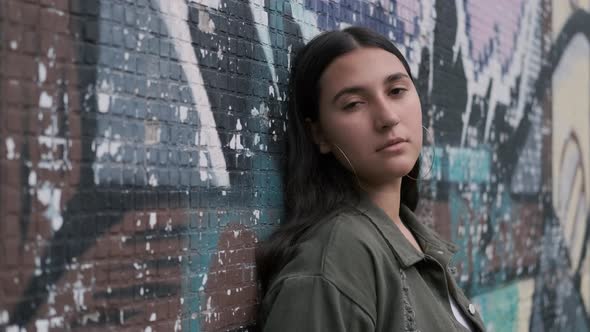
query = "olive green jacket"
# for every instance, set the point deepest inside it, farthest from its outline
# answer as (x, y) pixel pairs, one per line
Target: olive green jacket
(359, 273)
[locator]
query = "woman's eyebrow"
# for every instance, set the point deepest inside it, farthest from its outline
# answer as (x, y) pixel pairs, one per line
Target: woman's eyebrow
(396, 77)
(358, 89)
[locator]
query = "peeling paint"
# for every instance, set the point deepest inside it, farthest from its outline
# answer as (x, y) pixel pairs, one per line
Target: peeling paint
(104, 102)
(10, 155)
(153, 220)
(42, 325)
(42, 72)
(183, 113)
(206, 24)
(45, 100)
(4, 318)
(50, 196)
(78, 291)
(153, 180)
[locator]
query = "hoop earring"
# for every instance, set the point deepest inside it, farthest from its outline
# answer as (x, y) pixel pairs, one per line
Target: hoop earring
(352, 167)
(433, 155)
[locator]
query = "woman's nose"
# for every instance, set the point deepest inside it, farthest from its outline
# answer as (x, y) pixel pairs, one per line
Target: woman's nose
(385, 113)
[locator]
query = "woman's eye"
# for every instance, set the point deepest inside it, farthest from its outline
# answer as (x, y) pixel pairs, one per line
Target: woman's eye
(352, 105)
(396, 91)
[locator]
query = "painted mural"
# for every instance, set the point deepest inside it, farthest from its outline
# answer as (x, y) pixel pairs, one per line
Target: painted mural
(141, 143)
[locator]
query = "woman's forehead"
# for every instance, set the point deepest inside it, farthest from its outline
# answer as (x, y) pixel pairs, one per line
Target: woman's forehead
(364, 66)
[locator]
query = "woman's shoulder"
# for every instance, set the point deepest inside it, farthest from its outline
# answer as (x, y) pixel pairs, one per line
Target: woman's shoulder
(346, 250)
(339, 238)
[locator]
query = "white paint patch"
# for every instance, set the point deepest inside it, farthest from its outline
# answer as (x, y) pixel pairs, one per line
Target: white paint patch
(236, 142)
(13, 328)
(95, 317)
(56, 321)
(153, 220)
(78, 291)
(183, 113)
(101, 149)
(203, 283)
(45, 100)
(104, 101)
(4, 317)
(42, 325)
(289, 50)
(51, 53)
(10, 155)
(153, 181)
(153, 317)
(114, 148)
(50, 196)
(148, 329)
(13, 44)
(239, 125)
(206, 24)
(42, 72)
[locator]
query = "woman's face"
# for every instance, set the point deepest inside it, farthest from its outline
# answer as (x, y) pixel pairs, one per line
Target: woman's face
(369, 108)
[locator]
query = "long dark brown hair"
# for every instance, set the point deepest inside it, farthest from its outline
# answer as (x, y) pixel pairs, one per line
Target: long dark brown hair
(316, 184)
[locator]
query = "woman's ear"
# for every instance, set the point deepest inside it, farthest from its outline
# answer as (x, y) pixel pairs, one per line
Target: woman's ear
(318, 137)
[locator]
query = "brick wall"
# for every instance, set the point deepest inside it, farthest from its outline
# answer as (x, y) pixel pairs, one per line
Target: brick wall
(140, 144)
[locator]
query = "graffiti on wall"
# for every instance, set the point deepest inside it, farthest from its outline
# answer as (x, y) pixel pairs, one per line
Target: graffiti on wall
(137, 183)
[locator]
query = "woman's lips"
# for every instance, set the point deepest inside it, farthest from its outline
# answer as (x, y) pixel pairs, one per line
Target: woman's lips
(392, 144)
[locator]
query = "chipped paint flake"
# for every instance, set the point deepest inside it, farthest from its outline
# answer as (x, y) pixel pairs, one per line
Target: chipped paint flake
(50, 196)
(206, 24)
(153, 220)
(42, 72)
(42, 325)
(10, 155)
(4, 317)
(104, 102)
(236, 142)
(45, 100)
(78, 291)
(153, 181)
(183, 113)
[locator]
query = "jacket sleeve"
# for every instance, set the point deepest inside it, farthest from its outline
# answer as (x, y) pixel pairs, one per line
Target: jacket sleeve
(313, 303)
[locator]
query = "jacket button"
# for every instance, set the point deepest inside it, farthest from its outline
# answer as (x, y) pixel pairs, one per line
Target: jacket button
(471, 309)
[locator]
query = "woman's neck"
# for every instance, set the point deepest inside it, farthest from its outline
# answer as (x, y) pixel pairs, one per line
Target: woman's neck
(387, 197)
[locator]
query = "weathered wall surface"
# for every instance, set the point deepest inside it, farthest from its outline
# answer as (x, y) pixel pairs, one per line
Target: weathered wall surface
(140, 143)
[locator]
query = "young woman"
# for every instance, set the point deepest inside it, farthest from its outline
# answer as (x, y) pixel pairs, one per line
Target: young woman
(351, 255)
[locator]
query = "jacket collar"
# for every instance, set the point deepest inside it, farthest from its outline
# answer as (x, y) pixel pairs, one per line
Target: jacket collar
(431, 244)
